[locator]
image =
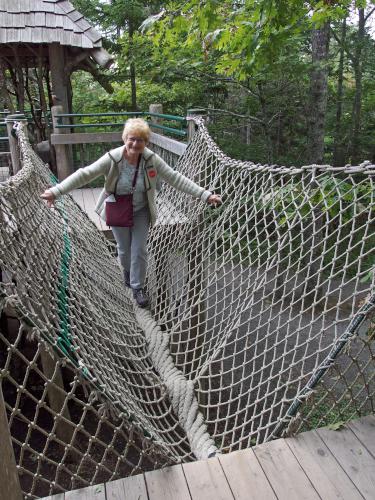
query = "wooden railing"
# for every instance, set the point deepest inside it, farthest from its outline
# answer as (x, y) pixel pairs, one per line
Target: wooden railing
(77, 149)
(82, 148)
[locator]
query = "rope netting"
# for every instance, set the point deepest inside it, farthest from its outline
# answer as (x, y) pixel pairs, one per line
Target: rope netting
(260, 321)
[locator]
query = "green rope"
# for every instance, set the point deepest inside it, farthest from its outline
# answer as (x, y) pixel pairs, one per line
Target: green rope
(64, 340)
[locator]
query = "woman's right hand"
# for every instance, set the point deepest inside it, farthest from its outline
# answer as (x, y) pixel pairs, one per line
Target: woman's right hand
(49, 197)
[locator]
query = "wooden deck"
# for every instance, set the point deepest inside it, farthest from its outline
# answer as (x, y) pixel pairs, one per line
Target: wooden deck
(4, 174)
(321, 464)
(87, 198)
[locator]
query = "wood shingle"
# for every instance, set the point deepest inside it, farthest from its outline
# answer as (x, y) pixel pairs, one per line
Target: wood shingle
(46, 21)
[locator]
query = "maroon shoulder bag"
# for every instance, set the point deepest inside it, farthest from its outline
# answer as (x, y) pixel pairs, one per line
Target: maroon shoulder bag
(120, 212)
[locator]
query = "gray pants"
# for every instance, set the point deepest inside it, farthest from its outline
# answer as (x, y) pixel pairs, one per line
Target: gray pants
(132, 247)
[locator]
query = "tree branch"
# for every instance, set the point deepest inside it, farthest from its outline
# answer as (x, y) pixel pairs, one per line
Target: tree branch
(238, 115)
(369, 14)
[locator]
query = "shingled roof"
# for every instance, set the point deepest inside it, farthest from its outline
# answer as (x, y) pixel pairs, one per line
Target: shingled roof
(45, 22)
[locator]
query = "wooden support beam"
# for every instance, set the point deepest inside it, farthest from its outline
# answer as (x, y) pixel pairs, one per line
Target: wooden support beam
(56, 394)
(156, 108)
(10, 485)
(59, 78)
(63, 163)
(85, 138)
(60, 81)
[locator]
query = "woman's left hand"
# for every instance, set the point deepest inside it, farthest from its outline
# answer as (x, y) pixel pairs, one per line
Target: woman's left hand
(214, 200)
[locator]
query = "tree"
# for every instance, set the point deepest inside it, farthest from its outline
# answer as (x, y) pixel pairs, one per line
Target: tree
(119, 20)
(318, 93)
(252, 35)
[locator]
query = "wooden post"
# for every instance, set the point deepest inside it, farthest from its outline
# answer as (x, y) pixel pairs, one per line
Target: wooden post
(59, 77)
(10, 485)
(56, 397)
(13, 143)
(156, 108)
(60, 80)
(191, 124)
(63, 163)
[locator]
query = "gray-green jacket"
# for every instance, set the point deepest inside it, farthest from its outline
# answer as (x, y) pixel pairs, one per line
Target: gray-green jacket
(108, 165)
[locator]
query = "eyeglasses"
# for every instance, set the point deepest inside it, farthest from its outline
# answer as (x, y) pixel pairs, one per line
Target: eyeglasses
(136, 139)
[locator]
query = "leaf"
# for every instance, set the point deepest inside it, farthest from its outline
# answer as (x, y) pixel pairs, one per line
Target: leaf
(367, 278)
(336, 426)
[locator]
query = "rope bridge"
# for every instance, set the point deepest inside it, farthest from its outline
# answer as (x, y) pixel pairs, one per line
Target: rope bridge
(261, 319)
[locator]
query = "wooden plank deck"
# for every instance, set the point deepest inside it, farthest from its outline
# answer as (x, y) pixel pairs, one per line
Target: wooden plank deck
(4, 174)
(320, 464)
(87, 198)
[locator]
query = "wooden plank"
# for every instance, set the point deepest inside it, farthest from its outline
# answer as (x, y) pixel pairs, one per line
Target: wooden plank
(245, 476)
(353, 458)
(85, 138)
(130, 488)
(96, 492)
(94, 137)
(77, 196)
(283, 471)
(4, 174)
(167, 484)
(59, 496)
(206, 480)
(364, 429)
(167, 143)
(91, 196)
(328, 478)
(89, 203)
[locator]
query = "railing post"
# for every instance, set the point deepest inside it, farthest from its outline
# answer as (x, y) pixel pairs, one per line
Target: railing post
(13, 143)
(10, 485)
(156, 108)
(191, 124)
(63, 165)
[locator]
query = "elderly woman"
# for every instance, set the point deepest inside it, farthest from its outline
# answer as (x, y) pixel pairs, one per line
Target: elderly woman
(132, 168)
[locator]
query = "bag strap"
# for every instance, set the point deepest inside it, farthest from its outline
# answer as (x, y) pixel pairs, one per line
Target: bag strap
(136, 174)
(134, 178)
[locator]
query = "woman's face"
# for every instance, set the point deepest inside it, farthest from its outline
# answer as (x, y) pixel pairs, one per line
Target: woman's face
(135, 143)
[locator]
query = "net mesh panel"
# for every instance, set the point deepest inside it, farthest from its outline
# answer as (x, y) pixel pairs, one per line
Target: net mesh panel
(262, 308)
(258, 295)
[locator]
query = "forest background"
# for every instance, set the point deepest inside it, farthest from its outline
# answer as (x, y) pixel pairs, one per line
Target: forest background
(288, 81)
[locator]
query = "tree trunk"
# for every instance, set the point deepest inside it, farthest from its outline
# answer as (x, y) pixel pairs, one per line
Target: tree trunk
(132, 69)
(318, 94)
(265, 125)
(4, 93)
(338, 149)
(357, 67)
(19, 86)
(42, 96)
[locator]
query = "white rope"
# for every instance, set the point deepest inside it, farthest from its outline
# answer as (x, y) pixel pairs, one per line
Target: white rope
(180, 390)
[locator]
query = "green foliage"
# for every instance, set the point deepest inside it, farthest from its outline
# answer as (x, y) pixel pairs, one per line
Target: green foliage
(251, 61)
(245, 36)
(88, 95)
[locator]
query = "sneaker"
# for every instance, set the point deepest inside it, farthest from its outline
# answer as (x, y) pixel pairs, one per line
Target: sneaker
(127, 278)
(141, 297)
